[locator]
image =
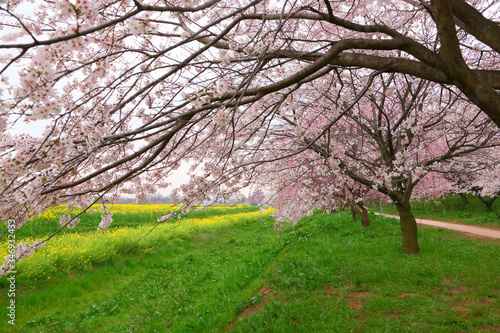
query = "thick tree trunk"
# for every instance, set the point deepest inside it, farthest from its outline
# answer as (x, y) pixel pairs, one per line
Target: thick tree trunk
(408, 228)
(453, 64)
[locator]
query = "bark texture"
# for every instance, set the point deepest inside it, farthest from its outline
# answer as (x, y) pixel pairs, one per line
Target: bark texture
(408, 228)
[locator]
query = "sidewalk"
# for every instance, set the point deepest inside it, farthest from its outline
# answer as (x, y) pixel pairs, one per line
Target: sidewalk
(480, 231)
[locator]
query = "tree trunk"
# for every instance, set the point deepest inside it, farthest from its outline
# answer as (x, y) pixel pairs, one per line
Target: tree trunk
(453, 64)
(353, 212)
(465, 200)
(488, 203)
(362, 212)
(365, 219)
(408, 228)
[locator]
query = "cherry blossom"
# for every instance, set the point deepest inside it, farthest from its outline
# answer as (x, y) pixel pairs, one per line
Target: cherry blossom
(384, 94)
(106, 220)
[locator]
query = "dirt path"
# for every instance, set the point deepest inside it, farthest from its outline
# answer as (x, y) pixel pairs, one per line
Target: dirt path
(480, 231)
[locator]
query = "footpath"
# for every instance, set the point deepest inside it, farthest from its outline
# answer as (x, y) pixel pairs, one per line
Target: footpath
(471, 229)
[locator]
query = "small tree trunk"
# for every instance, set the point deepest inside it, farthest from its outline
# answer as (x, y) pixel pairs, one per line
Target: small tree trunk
(465, 200)
(432, 207)
(488, 203)
(362, 212)
(353, 212)
(408, 228)
(365, 218)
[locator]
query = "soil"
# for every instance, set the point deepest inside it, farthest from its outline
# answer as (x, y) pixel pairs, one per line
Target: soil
(253, 309)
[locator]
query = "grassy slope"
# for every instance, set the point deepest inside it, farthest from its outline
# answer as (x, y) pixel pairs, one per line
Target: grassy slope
(328, 276)
(450, 209)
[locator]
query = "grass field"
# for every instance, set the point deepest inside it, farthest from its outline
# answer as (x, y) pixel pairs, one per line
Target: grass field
(236, 274)
(450, 209)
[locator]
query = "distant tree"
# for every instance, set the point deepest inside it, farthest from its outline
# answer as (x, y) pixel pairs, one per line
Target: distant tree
(483, 183)
(303, 183)
(158, 199)
(257, 197)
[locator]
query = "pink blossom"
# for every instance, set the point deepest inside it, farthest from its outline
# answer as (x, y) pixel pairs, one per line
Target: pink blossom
(106, 220)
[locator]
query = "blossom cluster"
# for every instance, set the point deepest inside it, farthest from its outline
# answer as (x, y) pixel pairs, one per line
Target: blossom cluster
(222, 118)
(66, 220)
(4, 109)
(206, 96)
(167, 217)
(106, 220)
(3, 120)
(36, 86)
(259, 46)
(76, 9)
(141, 25)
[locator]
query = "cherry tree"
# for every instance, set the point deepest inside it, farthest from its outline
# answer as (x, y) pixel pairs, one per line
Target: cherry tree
(489, 186)
(390, 138)
(127, 90)
(302, 183)
(482, 182)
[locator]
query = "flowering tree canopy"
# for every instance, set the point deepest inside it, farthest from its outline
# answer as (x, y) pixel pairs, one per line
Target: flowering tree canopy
(396, 139)
(126, 90)
(482, 182)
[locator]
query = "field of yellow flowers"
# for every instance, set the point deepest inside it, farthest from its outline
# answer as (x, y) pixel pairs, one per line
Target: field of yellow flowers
(135, 228)
(124, 215)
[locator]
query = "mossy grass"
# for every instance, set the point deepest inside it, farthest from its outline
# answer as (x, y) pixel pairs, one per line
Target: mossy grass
(327, 274)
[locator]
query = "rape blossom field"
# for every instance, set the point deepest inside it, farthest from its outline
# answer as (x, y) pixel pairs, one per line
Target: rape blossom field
(123, 215)
(134, 226)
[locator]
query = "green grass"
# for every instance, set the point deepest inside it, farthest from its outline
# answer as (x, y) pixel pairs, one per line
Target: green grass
(327, 275)
(450, 209)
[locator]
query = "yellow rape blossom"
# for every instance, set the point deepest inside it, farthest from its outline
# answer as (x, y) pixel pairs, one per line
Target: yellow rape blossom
(83, 250)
